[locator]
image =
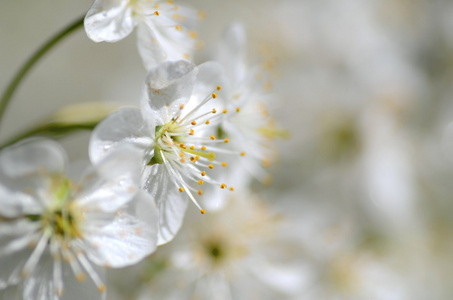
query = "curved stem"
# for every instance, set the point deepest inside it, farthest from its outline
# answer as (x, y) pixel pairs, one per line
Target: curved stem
(52, 130)
(7, 95)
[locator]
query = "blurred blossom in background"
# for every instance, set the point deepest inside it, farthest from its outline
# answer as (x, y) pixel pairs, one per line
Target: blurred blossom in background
(360, 202)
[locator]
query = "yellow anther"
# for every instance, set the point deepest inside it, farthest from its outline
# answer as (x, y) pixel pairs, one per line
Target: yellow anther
(193, 123)
(186, 56)
(182, 146)
(224, 164)
(102, 288)
(211, 166)
(170, 2)
(183, 160)
(242, 153)
(214, 95)
(200, 182)
(223, 185)
(192, 158)
(178, 27)
(238, 109)
(200, 192)
(156, 13)
(201, 15)
(193, 34)
(212, 137)
(226, 140)
(197, 157)
(181, 154)
(203, 148)
(181, 189)
(81, 277)
(266, 163)
(192, 147)
(203, 173)
(203, 211)
(176, 16)
(219, 87)
(207, 122)
(214, 110)
(181, 106)
(156, 6)
(176, 7)
(191, 132)
(231, 188)
(225, 111)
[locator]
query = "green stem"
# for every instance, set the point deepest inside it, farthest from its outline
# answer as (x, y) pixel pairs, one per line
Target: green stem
(52, 130)
(9, 92)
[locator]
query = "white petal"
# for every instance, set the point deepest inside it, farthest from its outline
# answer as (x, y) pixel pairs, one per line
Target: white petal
(14, 204)
(172, 204)
(231, 53)
(113, 182)
(210, 75)
(109, 21)
(149, 47)
(32, 156)
(169, 85)
(128, 239)
(125, 126)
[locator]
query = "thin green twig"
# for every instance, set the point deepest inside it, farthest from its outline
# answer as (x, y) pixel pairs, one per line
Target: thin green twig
(9, 92)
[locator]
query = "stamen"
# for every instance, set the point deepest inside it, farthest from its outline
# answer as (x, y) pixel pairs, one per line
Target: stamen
(203, 211)
(181, 189)
(200, 182)
(156, 13)
(91, 272)
(224, 164)
(231, 188)
(200, 192)
(203, 173)
(223, 186)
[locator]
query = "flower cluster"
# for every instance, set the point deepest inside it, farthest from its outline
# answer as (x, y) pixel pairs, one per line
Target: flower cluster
(200, 134)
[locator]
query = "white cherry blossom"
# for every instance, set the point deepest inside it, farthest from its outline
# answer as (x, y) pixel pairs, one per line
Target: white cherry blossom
(56, 233)
(165, 31)
(173, 133)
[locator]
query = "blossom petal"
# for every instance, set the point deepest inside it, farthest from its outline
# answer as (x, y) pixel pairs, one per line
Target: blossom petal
(125, 126)
(159, 40)
(172, 204)
(32, 156)
(231, 53)
(168, 86)
(112, 182)
(109, 21)
(15, 204)
(130, 237)
(210, 75)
